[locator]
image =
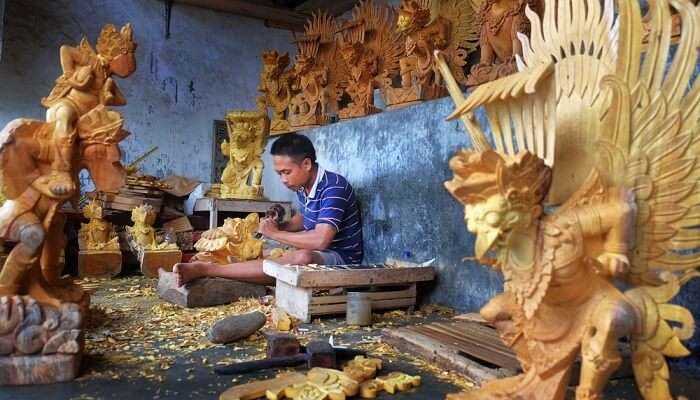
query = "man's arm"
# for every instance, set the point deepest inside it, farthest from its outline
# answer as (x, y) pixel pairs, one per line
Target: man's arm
(319, 238)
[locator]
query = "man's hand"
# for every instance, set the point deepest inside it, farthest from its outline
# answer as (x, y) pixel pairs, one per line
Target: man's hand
(268, 228)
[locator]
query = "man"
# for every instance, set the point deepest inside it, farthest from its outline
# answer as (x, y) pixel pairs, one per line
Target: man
(326, 231)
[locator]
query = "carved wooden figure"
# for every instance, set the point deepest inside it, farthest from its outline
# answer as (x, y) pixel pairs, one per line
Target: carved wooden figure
(276, 89)
(317, 72)
(371, 48)
(429, 25)
(320, 384)
(99, 244)
(619, 163)
(501, 21)
(242, 176)
(235, 241)
(39, 163)
(153, 253)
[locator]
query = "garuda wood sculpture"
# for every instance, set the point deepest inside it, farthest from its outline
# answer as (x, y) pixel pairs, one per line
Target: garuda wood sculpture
(235, 241)
(99, 254)
(501, 21)
(371, 48)
(449, 26)
(152, 252)
(317, 72)
(276, 89)
(40, 162)
(613, 141)
(242, 176)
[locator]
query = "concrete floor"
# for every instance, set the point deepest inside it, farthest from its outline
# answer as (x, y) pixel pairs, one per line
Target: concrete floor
(128, 357)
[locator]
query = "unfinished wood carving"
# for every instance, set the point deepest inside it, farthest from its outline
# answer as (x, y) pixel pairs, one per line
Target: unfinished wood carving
(429, 25)
(392, 383)
(99, 254)
(626, 203)
(317, 72)
(152, 252)
(233, 242)
(362, 368)
(242, 176)
(276, 87)
(501, 21)
(40, 161)
(371, 48)
(321, 384)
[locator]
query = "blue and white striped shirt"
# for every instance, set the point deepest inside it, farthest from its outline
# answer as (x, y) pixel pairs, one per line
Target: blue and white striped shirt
(332, 201)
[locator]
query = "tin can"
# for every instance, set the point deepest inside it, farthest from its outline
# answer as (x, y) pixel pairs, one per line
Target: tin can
(359, 308)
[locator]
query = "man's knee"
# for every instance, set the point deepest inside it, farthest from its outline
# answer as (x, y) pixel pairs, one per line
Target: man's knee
(303, 257)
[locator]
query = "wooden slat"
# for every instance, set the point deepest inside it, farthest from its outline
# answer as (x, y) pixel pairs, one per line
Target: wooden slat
(382, 295)
(376, 305)
(347, 277)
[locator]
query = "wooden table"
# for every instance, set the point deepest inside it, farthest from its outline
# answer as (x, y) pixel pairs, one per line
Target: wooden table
(213, 206)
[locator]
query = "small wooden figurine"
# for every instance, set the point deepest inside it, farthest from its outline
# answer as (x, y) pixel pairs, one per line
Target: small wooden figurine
(99, 245)
(39, 163)
(429, 25)
(242, 176)
(276, 87)
(320, 384)
(371, 48)
(317, 72)
(153, 253)
(619, 162)
(501, 21)
(233, 242)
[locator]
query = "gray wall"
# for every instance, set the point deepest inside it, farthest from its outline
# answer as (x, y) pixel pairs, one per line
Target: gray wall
(209, 66)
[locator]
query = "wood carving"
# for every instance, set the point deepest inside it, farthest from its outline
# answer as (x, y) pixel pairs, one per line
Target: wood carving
(627, 203)
(97, 234)
(40, 161)
(152, 252)
(242, 176)
(371, 48)
(276, 87)
(320, 384)
(392, 383)
(429, 25)
(501, 21)
(99, 254)
(235, 241)
(361, 368)
(317, 72)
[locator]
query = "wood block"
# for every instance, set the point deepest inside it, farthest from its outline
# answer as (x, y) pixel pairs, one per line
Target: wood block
(39, 369)
(205, 292)
(257, 389)
(97, 263)
(152, 260)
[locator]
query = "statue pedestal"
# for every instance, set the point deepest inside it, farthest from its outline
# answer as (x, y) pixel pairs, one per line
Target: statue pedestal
(153, 260)
(41, 344)
(396, 98)
(99, 263)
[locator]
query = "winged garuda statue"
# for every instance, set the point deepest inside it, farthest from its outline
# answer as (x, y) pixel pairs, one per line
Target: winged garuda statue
(608, 131)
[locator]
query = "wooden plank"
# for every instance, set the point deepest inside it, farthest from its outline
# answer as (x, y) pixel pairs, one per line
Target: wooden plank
(376, 305)
(383, 295)
(353, 277)
(471, 317)
(440, 354)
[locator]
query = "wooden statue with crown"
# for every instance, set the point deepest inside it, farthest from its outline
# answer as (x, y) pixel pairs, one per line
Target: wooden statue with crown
(611, 139)
(152, 250)
(99, 254)
(41, 312)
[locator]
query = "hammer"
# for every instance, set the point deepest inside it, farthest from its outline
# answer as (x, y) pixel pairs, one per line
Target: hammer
(276, 213)
(317, 354)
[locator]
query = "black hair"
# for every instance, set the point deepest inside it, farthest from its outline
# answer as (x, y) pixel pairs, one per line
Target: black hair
(295, 146)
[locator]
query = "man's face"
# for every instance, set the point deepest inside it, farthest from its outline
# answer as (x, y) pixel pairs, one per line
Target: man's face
(292, 174)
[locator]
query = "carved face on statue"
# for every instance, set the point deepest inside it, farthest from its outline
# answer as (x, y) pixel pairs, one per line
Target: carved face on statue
(413, 15)
(351, 52)
(502, 197)
(274, 63)
(118, 48)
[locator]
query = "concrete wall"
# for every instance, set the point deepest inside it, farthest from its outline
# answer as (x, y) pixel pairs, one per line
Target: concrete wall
(209, 66)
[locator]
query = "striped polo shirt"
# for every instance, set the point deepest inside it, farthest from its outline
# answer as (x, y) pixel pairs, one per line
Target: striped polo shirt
(332, 201)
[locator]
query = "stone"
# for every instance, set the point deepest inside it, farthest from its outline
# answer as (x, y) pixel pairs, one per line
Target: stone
(236, 327)
(205, 292)
(39, 369)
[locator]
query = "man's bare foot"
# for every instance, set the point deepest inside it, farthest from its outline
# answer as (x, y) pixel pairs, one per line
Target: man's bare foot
(186, 272)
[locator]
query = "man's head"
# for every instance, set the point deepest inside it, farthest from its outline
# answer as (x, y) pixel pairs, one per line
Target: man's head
(294, 158)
